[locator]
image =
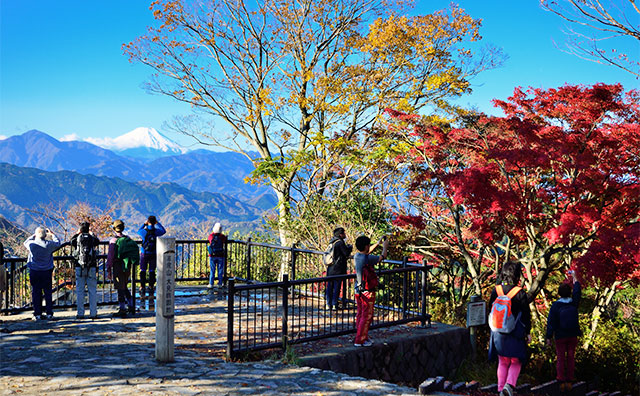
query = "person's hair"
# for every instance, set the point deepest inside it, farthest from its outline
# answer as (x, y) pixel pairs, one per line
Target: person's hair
(41, 233)
(84, 227)
(362, 242)
(217, 228)
(152, 219)
(338, 231)
(564, 290)
(510, 274)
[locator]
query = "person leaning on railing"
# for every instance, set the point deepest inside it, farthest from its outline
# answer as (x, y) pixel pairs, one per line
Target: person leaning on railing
(40, 264)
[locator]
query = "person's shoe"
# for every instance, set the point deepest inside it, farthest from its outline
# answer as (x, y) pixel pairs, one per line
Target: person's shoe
(49, 316)
(93, 317)
(209, 286)
(80, 316)
(131, 310)
(508, 389)
(121, 313)
(36, 318)
(367, 343)
(357, 345)
(329, 307)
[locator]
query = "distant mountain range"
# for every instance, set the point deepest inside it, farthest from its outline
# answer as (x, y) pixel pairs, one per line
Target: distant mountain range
(28, 188)
(199, 170)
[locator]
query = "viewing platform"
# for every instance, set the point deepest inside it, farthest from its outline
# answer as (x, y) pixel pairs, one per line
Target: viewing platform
(114, 355)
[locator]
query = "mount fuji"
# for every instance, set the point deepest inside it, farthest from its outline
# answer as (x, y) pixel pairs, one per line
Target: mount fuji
(142, 142)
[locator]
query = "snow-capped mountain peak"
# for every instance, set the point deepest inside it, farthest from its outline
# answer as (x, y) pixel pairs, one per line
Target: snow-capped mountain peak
(139, 140)
(146, 137)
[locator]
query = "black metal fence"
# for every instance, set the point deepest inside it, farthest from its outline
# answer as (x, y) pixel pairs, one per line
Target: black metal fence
(275, 314)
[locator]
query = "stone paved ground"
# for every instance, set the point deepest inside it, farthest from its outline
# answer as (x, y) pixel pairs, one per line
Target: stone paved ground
(116, 356)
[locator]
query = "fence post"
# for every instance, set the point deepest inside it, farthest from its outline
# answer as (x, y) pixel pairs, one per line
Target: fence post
(404, 288)
(133, 283)
(285, 309)
(249, 259)
(231, 283)
(293, 261)
(165, 299)
(13, 284)
(423, 294)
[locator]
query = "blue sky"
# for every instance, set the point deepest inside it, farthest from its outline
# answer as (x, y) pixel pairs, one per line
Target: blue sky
(62, 70)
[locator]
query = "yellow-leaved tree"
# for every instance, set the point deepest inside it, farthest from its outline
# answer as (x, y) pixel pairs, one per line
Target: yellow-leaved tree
(303, 82)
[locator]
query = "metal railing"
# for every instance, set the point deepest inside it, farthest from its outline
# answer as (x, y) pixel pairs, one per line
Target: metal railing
(275, 314)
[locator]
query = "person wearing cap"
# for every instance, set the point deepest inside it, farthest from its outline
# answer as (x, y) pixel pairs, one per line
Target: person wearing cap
(149, 231)
(120, 275)
(40, 264)
(85, 243)
(217, 240)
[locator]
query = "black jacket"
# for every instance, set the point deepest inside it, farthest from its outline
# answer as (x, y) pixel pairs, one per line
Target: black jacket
(342, 251)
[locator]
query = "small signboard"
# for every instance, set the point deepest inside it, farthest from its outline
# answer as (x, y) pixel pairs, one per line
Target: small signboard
(476, 313)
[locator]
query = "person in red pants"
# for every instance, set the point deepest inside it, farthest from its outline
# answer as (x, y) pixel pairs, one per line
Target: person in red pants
(563, 325)
(365, 288)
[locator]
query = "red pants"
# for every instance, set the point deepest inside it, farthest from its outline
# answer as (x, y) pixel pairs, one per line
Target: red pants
(566, 349)
(364, 316)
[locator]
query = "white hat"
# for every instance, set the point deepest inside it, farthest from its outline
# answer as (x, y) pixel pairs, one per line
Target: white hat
(217, 228)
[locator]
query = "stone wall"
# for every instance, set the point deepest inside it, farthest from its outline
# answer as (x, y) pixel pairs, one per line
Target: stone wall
(406, 358)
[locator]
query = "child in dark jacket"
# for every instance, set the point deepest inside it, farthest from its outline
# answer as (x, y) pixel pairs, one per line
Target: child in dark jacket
(562, 324)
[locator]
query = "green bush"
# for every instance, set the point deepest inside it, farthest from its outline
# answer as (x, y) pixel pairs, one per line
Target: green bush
(613, 359)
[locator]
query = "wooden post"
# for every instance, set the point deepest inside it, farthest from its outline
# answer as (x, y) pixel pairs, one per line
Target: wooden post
(165, 299)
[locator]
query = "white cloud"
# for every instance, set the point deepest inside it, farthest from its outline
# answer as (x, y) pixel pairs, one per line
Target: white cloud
(2, 137)
(101, 142)
(70, 138)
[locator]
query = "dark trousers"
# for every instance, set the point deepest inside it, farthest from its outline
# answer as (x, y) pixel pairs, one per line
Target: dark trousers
(332, 292)
(121, 278)
(41, 282)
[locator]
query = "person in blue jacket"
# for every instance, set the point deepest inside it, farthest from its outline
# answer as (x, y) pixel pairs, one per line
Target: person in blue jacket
(511, 348)
(149, 231)
(563, 325)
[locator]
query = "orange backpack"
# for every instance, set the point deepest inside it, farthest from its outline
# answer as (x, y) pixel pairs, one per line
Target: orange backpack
(501, 318)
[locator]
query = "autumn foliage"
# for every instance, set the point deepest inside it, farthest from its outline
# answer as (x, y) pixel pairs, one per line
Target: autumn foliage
(555, 181)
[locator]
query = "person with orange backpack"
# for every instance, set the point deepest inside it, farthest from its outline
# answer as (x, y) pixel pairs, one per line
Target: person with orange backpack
(510, 323)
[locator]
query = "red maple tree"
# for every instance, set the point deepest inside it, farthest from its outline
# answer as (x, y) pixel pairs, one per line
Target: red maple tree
(555, 183)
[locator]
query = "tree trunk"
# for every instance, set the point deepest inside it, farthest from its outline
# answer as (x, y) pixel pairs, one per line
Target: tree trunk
(282, 192)
(603, 301)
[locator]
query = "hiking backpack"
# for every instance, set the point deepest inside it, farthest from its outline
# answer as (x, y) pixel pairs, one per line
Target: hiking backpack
(149, 242)
(85, 252)
(568, 317)
(329, 256)
(216, 248)
(370, 279)
(501, 317)
(127, 252)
